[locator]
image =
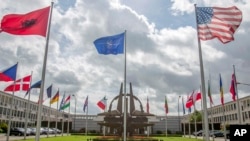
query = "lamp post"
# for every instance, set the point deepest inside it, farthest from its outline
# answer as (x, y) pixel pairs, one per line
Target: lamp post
(75, 113)
(179, 113)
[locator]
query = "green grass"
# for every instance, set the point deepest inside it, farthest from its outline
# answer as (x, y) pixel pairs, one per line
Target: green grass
(84, 138)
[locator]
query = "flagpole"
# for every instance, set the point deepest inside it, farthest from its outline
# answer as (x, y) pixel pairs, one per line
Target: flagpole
(211, 106)
(26, 110)
(189, 126)
(86, 123)
(224, 123)
(62, 112)
(10, 114)
(202, 82)
(57, 111)
(38, 125)
(125, 95)
(49, 115)
(68, 120)
(166, 125)
(184, 128)
(195, 116)
(237, 101)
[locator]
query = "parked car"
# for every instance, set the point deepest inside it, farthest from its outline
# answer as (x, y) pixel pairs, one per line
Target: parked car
(198, 133)
(57, 131)
(17, 131)
(216, 133)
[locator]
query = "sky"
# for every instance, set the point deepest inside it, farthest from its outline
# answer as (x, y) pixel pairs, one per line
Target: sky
(161, 44)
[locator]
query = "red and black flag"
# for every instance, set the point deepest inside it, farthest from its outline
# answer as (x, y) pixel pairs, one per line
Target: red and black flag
(33, 23)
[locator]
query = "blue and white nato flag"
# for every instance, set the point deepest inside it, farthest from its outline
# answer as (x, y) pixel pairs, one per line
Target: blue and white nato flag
(110, 44)
(239, 132)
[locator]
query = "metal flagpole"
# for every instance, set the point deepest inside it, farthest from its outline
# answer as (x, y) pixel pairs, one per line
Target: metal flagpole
(224, 123)
(49, 115)
(57, 110)
(189, 126)
(166, 124)
(184, 123)
(237, 101)
(86, 123)
(10, 112)
(195, 116)
(38, 125)
(68, 120)
(202, 83)
(62, 112)
(211, 106)
(125, 95)
(26, 111)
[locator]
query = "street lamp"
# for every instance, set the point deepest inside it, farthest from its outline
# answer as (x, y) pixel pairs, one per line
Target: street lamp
(75, 113)
(179, 112)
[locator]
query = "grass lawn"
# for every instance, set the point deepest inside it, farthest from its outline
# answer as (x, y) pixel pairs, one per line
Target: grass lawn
(84, 138)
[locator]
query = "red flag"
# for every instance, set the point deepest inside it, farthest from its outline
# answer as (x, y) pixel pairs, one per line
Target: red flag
(102, 103)
(166, 105)
(33, 23)
(217, 22)
(232, 88)
(20, 84)
(195, 96)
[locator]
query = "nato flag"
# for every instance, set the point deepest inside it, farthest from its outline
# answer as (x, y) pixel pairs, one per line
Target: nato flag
(110, 44)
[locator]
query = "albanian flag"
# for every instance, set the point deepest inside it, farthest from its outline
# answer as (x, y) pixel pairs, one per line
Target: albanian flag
(33, 23)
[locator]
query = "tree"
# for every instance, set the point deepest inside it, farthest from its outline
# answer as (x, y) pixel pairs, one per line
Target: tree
(196, 114)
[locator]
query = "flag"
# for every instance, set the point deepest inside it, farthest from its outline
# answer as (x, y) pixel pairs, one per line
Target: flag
(85, 104)
(102, 103)
(55, 98)
(217, 22)
(221, 92)
(195, 96)
(232, 88)
(147, 106)
(62, 103)
(209, 92)
(33, 23)
(36, 85)
(166, 105)
(9, 74)
(110, 44)
(49, 91)
(183, 107)
(189, 109)
(21, 84)
(66, 103)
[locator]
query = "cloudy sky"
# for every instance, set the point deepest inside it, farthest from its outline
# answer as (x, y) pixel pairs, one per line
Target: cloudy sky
(162, 51)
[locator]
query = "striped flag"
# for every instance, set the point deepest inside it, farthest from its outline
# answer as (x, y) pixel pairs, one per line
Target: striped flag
(221, 92)
(166, 105)
(232, 88)
(209, 93)
(217, 22)
(85, 104)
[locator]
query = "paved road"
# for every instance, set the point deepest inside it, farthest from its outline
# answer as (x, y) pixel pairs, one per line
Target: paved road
(14, 138)
(211, 139)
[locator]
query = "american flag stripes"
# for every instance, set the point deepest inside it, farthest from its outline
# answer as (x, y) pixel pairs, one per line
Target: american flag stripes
(217, 22)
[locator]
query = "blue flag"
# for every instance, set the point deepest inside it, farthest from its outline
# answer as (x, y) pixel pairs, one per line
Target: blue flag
(36, 85)
(49, 91)
(62, 103)
(9, 74)
(110, 44)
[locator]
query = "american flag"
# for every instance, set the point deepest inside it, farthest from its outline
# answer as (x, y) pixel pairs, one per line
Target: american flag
(85, 104)
(217, 22)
